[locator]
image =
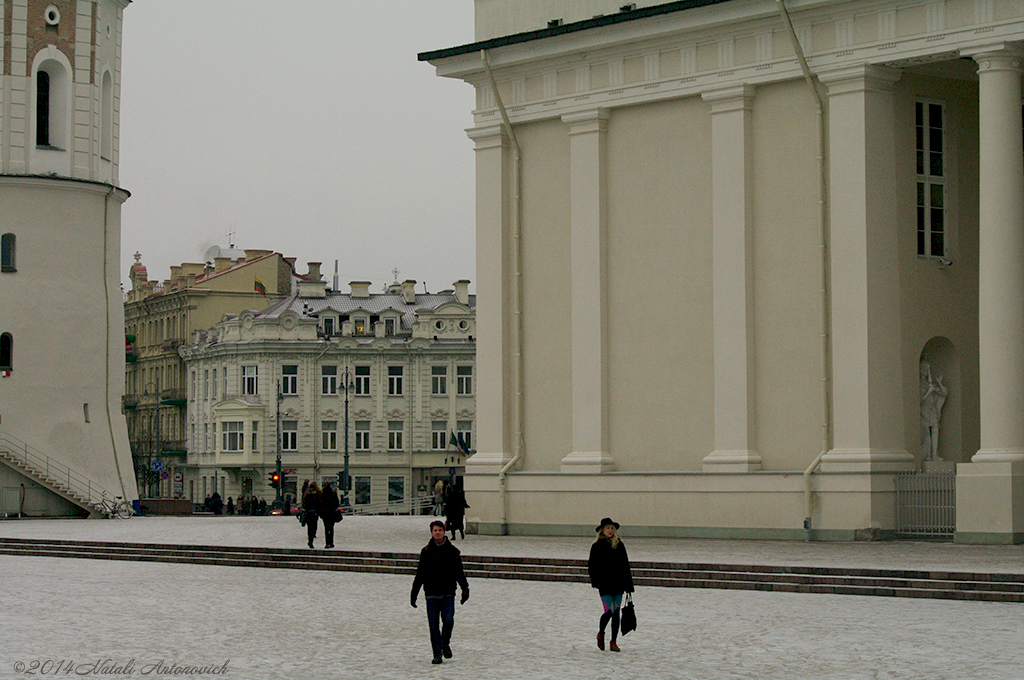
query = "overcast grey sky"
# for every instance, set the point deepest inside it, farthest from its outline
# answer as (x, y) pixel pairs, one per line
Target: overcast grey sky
(305, 127)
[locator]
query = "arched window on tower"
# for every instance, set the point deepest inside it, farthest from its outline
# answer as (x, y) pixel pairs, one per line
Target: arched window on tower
(7, 252)
(6, 352)
(106, 116)
(42, 108)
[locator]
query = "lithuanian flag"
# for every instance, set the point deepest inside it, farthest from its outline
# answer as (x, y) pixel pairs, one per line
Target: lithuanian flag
(258, 286)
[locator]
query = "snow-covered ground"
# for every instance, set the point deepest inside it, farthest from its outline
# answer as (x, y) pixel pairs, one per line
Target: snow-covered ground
(296, 624)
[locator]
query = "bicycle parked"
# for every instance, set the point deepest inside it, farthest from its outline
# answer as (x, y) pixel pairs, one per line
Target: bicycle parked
(119, 508)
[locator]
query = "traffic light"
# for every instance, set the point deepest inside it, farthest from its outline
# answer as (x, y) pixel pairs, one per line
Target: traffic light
(275, 480)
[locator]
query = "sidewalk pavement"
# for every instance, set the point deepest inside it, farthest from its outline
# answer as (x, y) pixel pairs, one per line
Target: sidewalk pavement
(296, 624)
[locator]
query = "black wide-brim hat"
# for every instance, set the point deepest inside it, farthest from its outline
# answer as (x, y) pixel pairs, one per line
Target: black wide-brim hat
(605, 522)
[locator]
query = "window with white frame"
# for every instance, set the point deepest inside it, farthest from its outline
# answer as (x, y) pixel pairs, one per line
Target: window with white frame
(328, 326)
(362, 490)
(224, 380)
(438, 380)
(362, 380)
(328, 380)
(464, 380)
(362, 430)
(289, 435)
(289, 379)
(395, 430)
(395, 374)
(255, 435)
(931, 179)
(250, 380)
(389, 326)
(213, 384)
(206, 384)
(231, 436)
(360, 324)
(464, 431)
(194, 395)
(438, 435)
(329, 435)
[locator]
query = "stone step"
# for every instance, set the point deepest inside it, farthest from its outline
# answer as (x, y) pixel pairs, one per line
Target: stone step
(876, 582)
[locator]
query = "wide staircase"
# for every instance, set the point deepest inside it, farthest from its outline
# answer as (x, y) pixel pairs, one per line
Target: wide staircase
(50, 474)
(789, 579)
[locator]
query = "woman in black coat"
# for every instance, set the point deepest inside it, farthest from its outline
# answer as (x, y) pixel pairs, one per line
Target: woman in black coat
(328, 512)
(610, 574)
(455, 511)
(311, 506)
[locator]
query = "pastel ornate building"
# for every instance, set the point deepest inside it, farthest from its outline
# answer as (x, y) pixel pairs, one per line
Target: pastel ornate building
(718, 241)
(62, 369)
(393, 372)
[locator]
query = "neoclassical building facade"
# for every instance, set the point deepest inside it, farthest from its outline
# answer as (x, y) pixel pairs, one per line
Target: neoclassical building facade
(391, 373)
(770, 233)
(62, 369)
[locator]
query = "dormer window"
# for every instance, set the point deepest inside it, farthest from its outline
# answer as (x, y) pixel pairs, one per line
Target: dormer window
(390, 326)
(329, 326)
(359, 324)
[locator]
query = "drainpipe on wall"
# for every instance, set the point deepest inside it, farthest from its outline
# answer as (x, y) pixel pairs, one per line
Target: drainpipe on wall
(517, 306)
(826, 347)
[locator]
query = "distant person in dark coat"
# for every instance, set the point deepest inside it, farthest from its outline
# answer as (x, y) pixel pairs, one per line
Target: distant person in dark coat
(311, 504)
(455, 511)
(328, 512)
(610, 574)
(438, 571)
(216, 504)
(231, 505)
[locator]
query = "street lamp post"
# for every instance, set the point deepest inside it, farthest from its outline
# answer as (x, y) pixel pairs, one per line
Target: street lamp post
(152, 453)
(346, 385)
(280, 478)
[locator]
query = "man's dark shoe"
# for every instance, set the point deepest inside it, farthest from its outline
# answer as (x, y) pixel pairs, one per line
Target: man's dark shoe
(447, 651)
(600, 640)
(437, 659)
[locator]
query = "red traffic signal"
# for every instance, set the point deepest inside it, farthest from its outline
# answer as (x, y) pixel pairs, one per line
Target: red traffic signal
(275, 480)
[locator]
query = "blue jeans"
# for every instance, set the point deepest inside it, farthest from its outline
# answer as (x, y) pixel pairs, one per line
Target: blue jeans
(441, 617)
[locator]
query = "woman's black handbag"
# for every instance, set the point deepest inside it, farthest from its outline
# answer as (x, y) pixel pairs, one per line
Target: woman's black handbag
(628, 615)
(302, 517)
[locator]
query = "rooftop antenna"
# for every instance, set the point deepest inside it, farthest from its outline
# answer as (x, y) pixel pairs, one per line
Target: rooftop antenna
(396, 271)
(231, 237)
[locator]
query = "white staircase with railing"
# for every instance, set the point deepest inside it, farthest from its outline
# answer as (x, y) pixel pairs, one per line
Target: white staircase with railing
(51, 474)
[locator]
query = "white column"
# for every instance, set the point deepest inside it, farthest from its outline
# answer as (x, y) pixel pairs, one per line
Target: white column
(1001, 256)
(733, 280)
(493, 244)
(588, 217)
(866, 361)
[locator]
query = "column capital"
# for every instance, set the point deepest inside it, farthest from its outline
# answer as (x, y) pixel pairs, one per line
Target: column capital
(730, 98)
(488, 137)
(860, 77)
(591, 120)
(995, 52)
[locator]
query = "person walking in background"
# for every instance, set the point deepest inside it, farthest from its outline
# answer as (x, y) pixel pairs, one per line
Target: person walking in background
(439, 497)
(455, 511)
(231, 506)
(610, 574)
(329, 512)
(438, 570)
(311, 506)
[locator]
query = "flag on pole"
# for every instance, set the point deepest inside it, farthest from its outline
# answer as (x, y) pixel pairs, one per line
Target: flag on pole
(452, 441)
(462, 445)
(258, 286)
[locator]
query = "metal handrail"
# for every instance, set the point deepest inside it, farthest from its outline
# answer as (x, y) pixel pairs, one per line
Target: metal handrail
(403, 507)
(52, 471)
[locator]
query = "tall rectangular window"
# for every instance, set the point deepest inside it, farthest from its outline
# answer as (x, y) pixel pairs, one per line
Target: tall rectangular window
(438, 435)
(362, 490)
(362, 380)
(464, 431)
(250, 380)
(362, 429)
(7, 252)
(464, 380)
(395, 430)
(255, 435)
(328, 380)
(289, 435)
(6, 351)
(438, 380)
(289, 379)
(329, 435)
(931, 179)
(395, 380)
(231, 436)
(42, 108)
(359, 325)
(328, 326)
(396, 489)
(213, 383)
(389, 327)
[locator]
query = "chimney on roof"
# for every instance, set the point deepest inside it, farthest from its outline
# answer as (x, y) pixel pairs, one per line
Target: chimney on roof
(313, 286)
(221, 263)
(409, 291)
(360, 289)
(462, 291)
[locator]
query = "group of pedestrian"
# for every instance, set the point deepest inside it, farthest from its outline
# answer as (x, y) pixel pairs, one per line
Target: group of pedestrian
(450, 501)
(247, 505)
(440, 570)
(319, 505)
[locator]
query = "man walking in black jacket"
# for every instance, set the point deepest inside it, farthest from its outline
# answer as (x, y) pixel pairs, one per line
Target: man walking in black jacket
(439, 569)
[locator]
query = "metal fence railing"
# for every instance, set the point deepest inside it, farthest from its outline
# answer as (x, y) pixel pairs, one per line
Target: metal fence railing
(925, 504)
(409, 506)
(51, 471)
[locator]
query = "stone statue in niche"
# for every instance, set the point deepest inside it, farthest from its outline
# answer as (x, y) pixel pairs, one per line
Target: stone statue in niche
(933, 396)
